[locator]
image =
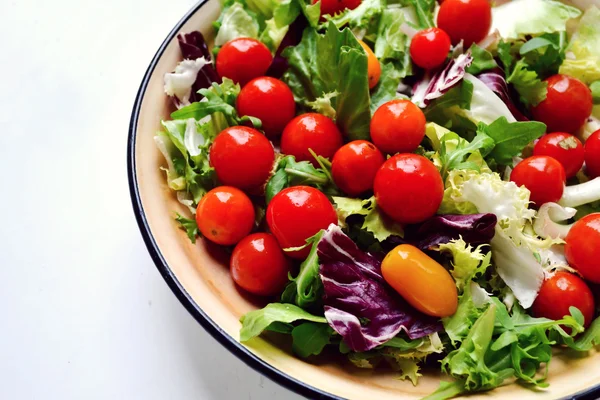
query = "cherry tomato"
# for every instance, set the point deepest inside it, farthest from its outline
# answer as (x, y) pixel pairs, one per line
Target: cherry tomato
(408, 188)
(583, 246)
(468, 20)
(225, 215)
(420, 280)
(259, 266)
(561, 291)
(544, 177)
(354, 166)
(242, 157)
(563, 147)
(332, 7)
(311, 131)
(567, 106)
(398, 126)
(592, 155)
(429, 48)
(270, 100)
(373, 67)
(297, 213)
(243, 59)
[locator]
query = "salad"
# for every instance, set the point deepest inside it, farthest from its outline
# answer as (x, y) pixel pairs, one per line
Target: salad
(408, 184)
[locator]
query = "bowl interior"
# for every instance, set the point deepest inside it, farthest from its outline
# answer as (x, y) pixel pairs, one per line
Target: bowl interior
(199, 274)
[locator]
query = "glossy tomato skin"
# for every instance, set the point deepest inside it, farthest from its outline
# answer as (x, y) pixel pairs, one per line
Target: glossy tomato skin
(373, 66)
(420, 280)
(408, 188)
(429, 48)
(582, 248)
(259, 266)
(270, 100)
(242, 157)
(398, 126)
(468, 20)
(592, 155)
(567, 106)
(563, 147)
(311, 131)
(355, 165)
(332, 7)
(297, 213)
(544, 177)
(243, 59)
(561, 291)
(225, 215)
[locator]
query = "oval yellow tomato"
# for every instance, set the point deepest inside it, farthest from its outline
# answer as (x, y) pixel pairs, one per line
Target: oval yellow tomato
(420, 280)
(373, 67)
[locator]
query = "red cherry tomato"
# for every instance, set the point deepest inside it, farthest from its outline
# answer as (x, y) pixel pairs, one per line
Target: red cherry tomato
(225, 215)
(582, 249)
(429, 48)
(561, 291)
(563, 147)
(592, 155)
(297, 213)
(311, 131)
(332, 7)
(259, 266)
(468, 20)
(354, 166)
(242, 157)
(408, 188)
(243, 59)
(270, 100)
(567, 106)
(544, 177)
(398, 126)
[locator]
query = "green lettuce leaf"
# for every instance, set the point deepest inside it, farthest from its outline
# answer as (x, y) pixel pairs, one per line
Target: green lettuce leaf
(310, 338)
(532, 90)
(234, 22)
(360, 17)
(584, 49)
(595, 88)
(189, 226)
(424, 12)
(483, 60)
(519, 18)
(467, 262)
(255, 322)
(374, 222)
(333, 62)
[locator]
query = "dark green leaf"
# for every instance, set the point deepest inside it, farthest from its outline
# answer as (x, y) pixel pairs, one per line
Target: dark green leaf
(385, 90)
(532, 90)
(310, 338)
(305, 290)
(280, 327)
(276, 184)
(510, 138)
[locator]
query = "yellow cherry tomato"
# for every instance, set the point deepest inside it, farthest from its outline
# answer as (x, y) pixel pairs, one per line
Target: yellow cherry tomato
(420, 280)
(373, 67)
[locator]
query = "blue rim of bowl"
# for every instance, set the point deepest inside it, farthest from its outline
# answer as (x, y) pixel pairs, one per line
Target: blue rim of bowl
(203, 319)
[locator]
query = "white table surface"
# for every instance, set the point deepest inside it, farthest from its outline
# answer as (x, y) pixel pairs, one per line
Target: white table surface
(84, 312)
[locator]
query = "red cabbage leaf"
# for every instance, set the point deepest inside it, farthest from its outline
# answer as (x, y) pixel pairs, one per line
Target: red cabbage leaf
(359, 305)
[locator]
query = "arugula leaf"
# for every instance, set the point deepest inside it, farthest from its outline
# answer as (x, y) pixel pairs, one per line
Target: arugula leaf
(310, 338)
(255, 322)
(374, 221)
(483, 60)
(510, 138)
(290, 172)
(456, 158)
(333, 62)
(306, 289)
(188, 225)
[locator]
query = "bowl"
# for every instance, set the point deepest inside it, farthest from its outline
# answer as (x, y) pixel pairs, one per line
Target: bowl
(199, 275)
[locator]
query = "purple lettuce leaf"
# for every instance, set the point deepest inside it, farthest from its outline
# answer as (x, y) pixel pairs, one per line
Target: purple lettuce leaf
(359, 305)
(495, 81)
(475, 229)
(432, 87)
(182, 85)
(291, 38)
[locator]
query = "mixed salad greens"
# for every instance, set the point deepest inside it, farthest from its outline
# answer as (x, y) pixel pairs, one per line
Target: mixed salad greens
(410, 184)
